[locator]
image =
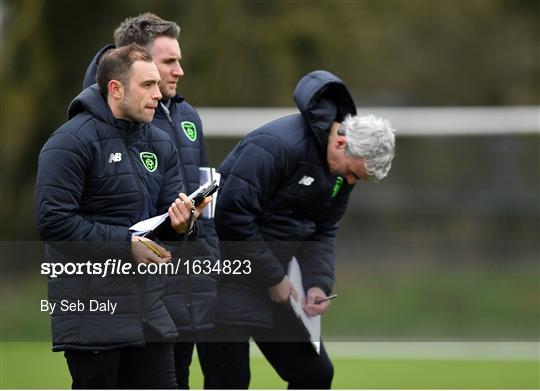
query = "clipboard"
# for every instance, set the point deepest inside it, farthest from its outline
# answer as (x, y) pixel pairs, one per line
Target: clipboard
(150, 228)
(310, 324)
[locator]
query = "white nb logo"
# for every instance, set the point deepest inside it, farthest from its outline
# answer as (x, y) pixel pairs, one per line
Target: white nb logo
(306, 180)
(115, 157)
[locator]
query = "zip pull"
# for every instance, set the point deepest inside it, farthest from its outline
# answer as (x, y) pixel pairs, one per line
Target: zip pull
(167, 112)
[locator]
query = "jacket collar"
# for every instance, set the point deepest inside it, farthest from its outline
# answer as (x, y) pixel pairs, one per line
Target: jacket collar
(160, 112)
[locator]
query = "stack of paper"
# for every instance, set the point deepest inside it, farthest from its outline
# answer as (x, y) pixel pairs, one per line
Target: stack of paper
(144, 227)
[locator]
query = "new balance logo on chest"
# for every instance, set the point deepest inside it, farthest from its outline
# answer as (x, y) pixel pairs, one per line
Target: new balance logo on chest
(306, 180)
(115, 157)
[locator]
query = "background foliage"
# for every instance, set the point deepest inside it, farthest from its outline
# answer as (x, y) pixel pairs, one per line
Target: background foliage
(252, 53)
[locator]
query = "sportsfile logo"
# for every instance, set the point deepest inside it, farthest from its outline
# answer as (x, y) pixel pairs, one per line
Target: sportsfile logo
(115, 157)
(306, 180)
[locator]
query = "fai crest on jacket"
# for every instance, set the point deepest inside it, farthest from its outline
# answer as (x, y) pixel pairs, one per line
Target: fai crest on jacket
(149, 160)
(190, 130)
(337, 186)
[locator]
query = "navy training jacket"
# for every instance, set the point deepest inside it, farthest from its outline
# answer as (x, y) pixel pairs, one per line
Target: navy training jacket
(279, 199)
(92, 185)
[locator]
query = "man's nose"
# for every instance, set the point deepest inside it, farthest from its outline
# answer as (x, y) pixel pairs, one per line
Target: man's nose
(156, 93)
(177, 70)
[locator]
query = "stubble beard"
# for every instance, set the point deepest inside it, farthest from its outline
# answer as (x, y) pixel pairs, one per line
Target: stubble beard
(130, 114)
(167, 94)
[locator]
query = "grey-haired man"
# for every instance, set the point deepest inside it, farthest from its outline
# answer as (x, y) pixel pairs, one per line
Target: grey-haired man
(285, 187)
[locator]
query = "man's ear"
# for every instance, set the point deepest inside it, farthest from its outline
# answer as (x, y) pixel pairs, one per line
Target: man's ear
(340, 142)
(116, 89)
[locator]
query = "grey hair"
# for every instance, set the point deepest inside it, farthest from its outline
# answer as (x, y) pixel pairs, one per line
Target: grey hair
(143, 29)
(371, 138)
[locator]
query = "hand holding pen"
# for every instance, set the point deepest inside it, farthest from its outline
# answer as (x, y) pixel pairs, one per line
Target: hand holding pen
(147, 251)
(326, 299)
(317, 302)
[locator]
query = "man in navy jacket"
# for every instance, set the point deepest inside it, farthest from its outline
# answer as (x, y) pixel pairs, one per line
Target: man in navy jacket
(98, 174)
(284, 189)
(190, 299)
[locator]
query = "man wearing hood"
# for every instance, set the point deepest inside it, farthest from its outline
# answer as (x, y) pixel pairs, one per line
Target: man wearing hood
(99, 173)
(285, 187)
(190, 298)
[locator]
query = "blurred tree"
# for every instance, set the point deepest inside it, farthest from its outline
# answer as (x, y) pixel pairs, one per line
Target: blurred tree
(251, 53)
(27, 81)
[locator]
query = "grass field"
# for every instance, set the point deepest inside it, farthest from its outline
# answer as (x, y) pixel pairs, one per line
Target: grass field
(33, 365)
(420, 305)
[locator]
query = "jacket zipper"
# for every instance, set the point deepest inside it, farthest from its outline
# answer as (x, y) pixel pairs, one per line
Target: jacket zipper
(183, 172)
(140, 280)
(176, 139)
(137, 179)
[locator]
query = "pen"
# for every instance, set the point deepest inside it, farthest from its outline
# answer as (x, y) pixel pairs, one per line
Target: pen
(326, 299)
(152, 248)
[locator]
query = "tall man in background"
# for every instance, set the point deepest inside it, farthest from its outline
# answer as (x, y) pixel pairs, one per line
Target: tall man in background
(284, 190)
(190, 299)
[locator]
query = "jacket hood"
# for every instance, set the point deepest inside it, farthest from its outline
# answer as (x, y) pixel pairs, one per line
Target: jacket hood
(322, 99)
(91, 71)
(91, 101)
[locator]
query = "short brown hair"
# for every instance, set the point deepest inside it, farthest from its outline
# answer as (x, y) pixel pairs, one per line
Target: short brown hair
(116, 63)
(143, 29)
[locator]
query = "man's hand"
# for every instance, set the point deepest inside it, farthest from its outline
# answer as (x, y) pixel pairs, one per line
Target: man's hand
(143, 253)
(180, 210)
(315, 295)
(280, 292)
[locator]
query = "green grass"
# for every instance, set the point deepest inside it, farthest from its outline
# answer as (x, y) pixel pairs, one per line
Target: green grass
(426, 303)
(436, 303)
(33, 365)
(418, 374)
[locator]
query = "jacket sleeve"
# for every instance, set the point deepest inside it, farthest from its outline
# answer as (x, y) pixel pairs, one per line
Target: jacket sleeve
(251, 180)
(317, 256)
(62, 169)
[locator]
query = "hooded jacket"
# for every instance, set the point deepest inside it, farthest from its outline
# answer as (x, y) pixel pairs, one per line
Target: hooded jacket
(92, 185)
(190, 299)
(279, 199)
